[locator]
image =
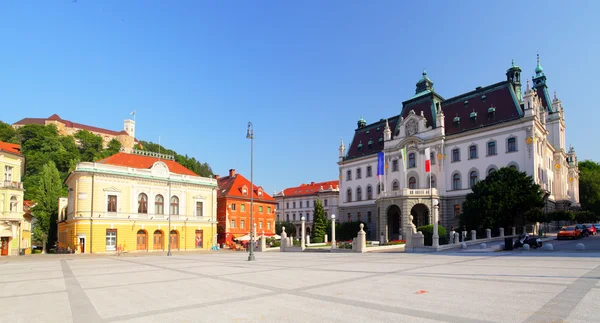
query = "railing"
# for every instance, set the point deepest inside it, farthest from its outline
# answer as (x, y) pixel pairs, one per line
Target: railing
(410, 192)
(9, 184)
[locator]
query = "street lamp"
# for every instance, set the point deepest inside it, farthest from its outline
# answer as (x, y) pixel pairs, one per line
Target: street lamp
(250, 135)
(169, 213)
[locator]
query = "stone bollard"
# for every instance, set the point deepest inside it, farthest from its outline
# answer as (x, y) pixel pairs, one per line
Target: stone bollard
(483, 246)
(524, 229)
(456, 238)
(284, 239)
(303, 234)
(451, 237)
(473, 235)
(488, 233)
(262, 246)
(361, 240)
(514, 231)
(501, 232)
(463, 245)
(580, 246)
(325, 239)
(548, 246)
(464, 235)
(333, 242)
(526, 247)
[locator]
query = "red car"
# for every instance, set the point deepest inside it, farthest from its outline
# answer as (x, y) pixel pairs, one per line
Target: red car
(591, 228)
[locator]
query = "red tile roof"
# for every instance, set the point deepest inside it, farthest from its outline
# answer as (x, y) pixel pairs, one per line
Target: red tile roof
(310, 189)
(10, 148)
(69, 124)
(231, 186)
(144, 162)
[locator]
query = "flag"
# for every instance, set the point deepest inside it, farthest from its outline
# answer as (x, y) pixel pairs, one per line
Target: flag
(132, 113)
(380, 164)
(403, 151)
(427, 160)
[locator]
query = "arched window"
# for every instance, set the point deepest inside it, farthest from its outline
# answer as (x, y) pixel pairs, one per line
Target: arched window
(412, 183)
(349, 195)
(378, 189)
(395, 186)
(359, 194)
(143, 203)
(14, 204)
(491, 148)
(456, 181)
(491, 170)
(473, 179)
(369, 192)
(412, 163)
(174, 205)
(513, 166)
(159, 204)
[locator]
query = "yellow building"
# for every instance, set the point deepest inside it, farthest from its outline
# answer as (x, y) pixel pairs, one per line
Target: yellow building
(134, 195)
(15, 223)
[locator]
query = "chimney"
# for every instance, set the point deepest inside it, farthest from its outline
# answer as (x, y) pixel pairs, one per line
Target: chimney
(312, 183)
(232, 172)
(217, 176)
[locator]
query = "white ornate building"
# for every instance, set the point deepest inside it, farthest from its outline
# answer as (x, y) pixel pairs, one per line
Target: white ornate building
(295, 202)
(469, 136)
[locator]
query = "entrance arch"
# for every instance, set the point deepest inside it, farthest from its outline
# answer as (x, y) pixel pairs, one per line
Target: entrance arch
(158, 240)
(141, 241)
(174, 236)
(420, 214)
(393, 222)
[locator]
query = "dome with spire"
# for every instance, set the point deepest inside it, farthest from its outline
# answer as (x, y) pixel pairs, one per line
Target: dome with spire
(538, 69)
(424, 84)
(362, 122)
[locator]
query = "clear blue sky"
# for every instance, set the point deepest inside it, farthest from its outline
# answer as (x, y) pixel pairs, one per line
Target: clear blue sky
(302, 71)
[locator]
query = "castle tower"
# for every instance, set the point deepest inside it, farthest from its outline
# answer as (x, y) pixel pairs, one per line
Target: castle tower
(129, 126)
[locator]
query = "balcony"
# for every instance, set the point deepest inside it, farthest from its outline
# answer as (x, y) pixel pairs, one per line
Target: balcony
(9, 184)
(405, 192)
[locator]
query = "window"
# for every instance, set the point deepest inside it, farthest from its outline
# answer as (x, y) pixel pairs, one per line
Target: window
(412, 183)
(325, 202)
(395, 165)
(456, 182)
(142, 203)
(159, 205)
(491, 170)
(348, 175)
(513, 166)
(455, 155)
(199, 208)
(395, 186)
(14, 204)
(8, 173)
(243, 207)
(473, 178)
(111, 239)
(349, 195)
(260, 209)
(349, 217)
(358, 217)
(307, 203)
(175, 205)
(456, 211)
(369, 218)
(358, 173)
(511, 144)
(369, 171)
(294, 217)
(233, 224)
(268, 225)
(491, 148)
(472, 152)
(242, 224)
(287, 205)
(294, 204)
(359, 194)
(287, 217)
(268, 209)
(244, 191)
(233, 206)
(432, 157)
(112, 204)
(260, 225)
(369, 192)
(412, 163)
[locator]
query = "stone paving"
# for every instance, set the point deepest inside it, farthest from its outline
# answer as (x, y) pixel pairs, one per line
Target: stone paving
(301, 287)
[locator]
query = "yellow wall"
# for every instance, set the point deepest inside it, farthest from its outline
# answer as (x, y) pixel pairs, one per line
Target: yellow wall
(6, 193)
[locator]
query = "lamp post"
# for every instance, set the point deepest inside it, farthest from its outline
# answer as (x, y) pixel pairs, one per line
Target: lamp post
(436, 237)
(169, 214)
(250, 135)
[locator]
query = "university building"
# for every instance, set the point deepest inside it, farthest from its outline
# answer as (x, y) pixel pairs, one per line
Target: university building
(68, 128)
(125, 202)
(233, 210)
(468, 137)
(15, 218)
(293, 203)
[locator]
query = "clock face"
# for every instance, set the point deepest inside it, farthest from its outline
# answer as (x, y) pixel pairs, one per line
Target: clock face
(529, 140)
(557, 166)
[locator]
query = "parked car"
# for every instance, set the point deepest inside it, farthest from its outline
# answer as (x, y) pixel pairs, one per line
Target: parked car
(591, 228)
(596, 226)
(572, 232)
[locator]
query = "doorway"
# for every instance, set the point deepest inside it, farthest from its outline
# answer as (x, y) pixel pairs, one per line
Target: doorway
(158, 240)
(420, 214)
(199, 237)
(141, 240)
(174, 239)
(82, 245)
(393, 222)
(4, 242)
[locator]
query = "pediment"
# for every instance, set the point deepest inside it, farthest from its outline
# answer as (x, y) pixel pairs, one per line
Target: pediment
(160, 169)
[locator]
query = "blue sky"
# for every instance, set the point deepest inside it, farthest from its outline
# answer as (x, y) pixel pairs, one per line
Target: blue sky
(302, 71)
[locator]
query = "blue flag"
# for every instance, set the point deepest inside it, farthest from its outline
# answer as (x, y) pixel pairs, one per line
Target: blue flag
(380, 164)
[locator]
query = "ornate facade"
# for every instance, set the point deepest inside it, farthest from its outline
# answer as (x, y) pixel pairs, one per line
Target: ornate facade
(468, 137)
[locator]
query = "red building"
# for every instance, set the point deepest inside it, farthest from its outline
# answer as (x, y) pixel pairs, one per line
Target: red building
(233, 208)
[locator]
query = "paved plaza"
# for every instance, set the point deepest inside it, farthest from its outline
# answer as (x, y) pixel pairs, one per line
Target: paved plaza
(302, 287)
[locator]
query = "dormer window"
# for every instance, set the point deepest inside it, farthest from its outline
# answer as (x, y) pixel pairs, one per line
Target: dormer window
(368, 132)
(259, 192)
(244, 190)
(491, 113)
(360, 145)
(483, 98)
(456, 121)
(377, 128)
(370, 143)
(473, 116)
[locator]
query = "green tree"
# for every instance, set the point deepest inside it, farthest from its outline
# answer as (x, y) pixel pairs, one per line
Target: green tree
(90, 145)
(7, 133)
(589, 186)
(319, 227)
(114, 146)
(503, 197)
(46, 193)
(202, 169)
(290, 228)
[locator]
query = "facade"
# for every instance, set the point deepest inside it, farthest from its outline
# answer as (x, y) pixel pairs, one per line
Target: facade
(468, 136)
(233, 210)
(295, 202)
(125, 202)
(67, 128)
(15, 219)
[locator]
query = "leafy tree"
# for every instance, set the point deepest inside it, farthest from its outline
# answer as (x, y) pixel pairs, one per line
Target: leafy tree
(585, 217)
(7, 133)
(589, 186)
(114, 146)
(290, 228)
(428, 234)
(46, 193)
(202, 169)
(503, 197)
(90, 145)
(319, 226)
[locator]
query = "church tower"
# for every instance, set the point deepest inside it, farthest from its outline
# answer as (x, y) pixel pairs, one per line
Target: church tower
(513, 75)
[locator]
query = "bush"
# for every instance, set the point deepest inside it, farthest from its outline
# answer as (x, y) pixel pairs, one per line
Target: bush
(428, 234)
(276, 244)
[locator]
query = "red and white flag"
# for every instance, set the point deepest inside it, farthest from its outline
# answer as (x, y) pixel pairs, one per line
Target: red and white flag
(427, 160)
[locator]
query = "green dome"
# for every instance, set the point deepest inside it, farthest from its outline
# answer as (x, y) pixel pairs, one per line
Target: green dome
(538, 68)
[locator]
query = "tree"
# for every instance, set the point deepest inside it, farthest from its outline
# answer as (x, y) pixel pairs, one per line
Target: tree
(7, 133)
(90, 145)
(319, 226)
(114, 146)
(290, 228)
(46, 193)
(589, 186)
(503, 197)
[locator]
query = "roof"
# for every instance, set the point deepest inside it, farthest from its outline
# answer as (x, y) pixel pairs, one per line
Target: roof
(310, 189)
(10, 148)
(370, 133)
(70, 124)
(144, 162)
(231, 186)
